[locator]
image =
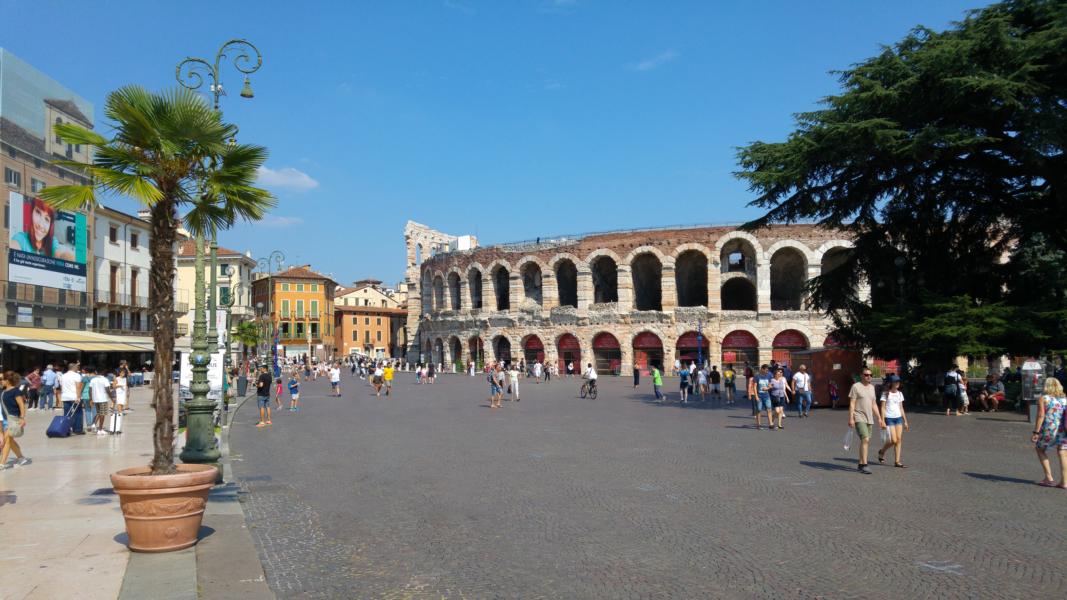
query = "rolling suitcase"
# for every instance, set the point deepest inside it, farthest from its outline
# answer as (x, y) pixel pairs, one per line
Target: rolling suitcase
(60, 425)
(115, 420)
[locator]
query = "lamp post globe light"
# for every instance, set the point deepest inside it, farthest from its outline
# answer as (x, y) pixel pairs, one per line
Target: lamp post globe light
(200, 445)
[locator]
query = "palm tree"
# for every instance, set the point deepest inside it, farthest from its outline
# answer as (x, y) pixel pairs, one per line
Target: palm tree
(169, 150)
(248, 334)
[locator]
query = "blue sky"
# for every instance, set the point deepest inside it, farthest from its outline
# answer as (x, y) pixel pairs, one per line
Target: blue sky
(507, 120)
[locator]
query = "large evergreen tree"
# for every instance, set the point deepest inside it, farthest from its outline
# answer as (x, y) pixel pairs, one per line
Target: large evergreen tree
(941, 156)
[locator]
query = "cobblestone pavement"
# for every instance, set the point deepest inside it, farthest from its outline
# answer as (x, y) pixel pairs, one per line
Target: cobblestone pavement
(431, 494)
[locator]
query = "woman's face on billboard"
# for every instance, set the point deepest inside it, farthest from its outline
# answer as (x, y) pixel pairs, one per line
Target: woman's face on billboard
(42, 223)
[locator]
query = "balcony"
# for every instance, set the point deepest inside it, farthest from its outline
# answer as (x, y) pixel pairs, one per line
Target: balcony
(182, 329)
(115, 299)
(42, 296)
(123, 326)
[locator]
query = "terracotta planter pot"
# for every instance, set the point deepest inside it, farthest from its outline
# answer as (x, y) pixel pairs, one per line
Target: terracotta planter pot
(163, 512)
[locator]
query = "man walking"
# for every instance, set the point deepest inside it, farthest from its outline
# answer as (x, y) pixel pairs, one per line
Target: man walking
(49, 379)
(657, 383)
(862, 410)
(335, 379)
(70, 393)
(716, 380)
(100, 392)
(802, 391)
(263, 396)
(761, 385)
(387, 377)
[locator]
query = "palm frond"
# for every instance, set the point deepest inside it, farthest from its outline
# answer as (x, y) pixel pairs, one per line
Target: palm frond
(76, 134)
(69, 197)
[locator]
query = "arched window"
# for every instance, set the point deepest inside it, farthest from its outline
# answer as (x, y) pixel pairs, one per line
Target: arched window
(453, 291)
(691, 278)
(789, 272)
(474, 282)
(647, 274)
(567, 283)
(438, 293)
(738, 256)
(738, 293)
(502, 288)
(531, 282)
(605, 280)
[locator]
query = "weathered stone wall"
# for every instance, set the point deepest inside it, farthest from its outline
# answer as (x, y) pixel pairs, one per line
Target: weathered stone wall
(535, 308)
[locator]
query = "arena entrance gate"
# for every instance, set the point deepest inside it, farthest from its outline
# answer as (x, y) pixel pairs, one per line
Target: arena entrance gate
(569, 351)
(533, 350)
(648, 351)
(691, 350)
(739, 347)
(607, 354)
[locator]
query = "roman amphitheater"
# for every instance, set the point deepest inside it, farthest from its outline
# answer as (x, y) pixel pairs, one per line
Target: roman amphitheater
(619, 299)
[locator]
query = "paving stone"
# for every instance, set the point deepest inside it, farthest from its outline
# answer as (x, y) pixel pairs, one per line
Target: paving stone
(431, 494)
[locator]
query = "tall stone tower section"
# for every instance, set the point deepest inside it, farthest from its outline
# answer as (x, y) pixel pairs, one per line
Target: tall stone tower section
(422, 243)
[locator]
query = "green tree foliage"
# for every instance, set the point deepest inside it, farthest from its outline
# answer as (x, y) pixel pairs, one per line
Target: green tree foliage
(942, 153)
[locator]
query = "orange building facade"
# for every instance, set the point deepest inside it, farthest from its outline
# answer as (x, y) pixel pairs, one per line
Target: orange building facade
(298, 304)
(368, 330)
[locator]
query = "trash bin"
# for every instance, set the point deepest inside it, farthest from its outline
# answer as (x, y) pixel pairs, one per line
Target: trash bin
(242, 385)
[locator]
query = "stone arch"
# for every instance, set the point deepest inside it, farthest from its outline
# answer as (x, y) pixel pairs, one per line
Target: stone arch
(604, 267)
(533, 348)
(568, 349)
(789, 274)
(663, 259)
(738, 242)
(531, 272)
(646, 271)
(693, 346)
(553, 263)
(832, 256)
(746, 351)
(566, 271)
(800, 247)
(502, 350)
(691, 276)
(455, 299)
(438, 351)
(476, 345)
(475, 283)
(455, 350)
(607, 353)
(738, 293)
(647, 345)
(787, 340)
(500, 277)
(438, 291)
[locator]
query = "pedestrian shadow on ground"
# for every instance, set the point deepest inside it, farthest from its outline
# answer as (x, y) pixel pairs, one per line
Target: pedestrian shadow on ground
(825, 466)
(854, 461)
(998, 478)
(999, 420)
(8, 497)
(691, 405)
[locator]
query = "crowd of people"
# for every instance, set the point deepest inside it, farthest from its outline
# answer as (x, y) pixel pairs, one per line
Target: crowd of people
(92, 400)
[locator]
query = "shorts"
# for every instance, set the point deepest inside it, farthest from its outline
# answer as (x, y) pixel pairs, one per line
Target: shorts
(334, 384)
(388, 383)
(715, 388)
(684, 386)
(731, 385)
(763, 402)
(494, 389)
(376, 380)
(777, 401)
(263, 401)
(863, 430)
(894, 421)
(296, 396)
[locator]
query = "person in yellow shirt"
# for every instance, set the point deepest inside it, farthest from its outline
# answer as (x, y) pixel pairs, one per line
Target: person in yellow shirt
(387, 375)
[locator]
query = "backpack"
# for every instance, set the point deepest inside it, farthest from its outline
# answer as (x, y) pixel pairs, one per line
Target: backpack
(952, 379)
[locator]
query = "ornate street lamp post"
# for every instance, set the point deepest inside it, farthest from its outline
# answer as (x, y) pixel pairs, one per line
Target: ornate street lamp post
(200, 445)
(267, 264)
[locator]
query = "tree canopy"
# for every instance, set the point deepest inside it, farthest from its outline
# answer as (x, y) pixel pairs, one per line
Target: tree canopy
(941, 157)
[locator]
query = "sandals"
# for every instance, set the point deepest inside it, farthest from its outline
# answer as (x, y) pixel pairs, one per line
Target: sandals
(1046, 483)
(900, 465)
(881, 457)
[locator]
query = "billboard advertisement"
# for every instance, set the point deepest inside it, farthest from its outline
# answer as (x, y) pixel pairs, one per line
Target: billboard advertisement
(47, 247)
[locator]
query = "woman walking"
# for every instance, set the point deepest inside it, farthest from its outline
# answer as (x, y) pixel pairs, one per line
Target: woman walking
(1049, 433)
(13, 405)
(779, 387)
(896, 421)
(637, 376)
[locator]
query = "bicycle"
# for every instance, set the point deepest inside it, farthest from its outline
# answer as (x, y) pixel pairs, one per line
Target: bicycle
(589, 389)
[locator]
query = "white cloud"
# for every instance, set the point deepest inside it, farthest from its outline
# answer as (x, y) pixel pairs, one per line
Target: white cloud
(654, 62)
(286, 178)
(553, 85)
(458, 6)
(276, 221)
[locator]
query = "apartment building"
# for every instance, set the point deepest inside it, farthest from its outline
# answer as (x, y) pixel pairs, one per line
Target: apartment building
(298, 304)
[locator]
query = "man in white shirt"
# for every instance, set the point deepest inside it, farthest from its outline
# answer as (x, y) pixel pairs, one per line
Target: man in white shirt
(70, 392)
(100, 394)
(335, 380)
(802, 391)
(590, 374)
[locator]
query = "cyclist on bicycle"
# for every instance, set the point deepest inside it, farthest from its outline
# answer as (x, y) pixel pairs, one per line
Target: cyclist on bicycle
(590, 374)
